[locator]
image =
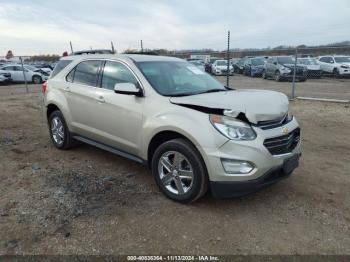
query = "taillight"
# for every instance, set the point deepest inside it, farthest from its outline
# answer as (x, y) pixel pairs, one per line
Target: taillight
(44, 87)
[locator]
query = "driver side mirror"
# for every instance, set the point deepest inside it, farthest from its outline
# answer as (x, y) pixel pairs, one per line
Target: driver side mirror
(127, 89)
(275, 63)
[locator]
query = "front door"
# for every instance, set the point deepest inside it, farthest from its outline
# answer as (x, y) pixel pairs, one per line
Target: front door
(119, 116)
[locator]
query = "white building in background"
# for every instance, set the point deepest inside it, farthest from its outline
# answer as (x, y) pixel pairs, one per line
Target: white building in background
(205, 58)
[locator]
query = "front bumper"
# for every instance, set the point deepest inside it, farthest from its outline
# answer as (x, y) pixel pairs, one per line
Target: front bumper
(251, 151)
(257, 71)
(240, 188)
(344, 71)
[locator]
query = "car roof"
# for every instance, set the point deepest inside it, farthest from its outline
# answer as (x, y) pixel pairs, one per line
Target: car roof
(133, 57)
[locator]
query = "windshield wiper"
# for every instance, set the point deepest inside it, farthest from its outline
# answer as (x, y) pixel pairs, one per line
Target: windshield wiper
(198, 93)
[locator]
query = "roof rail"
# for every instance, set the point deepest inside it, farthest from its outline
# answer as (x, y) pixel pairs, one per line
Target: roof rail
(141, 53)
(89, 52)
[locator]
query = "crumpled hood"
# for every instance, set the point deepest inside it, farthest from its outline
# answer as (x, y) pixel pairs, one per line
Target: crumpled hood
(257, 105)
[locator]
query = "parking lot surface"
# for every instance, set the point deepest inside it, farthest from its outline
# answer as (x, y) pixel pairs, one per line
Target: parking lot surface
(87, 201)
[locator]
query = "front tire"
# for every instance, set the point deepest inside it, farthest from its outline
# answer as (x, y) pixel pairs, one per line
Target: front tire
(264, 76)
(59, 132)
(278, 76)
(336, 73)
(179, 171)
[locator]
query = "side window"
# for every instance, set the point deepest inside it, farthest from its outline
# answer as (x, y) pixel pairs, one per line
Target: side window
(10, 68)
(59, 67)
(269, 61)
(86, 72)
(323, 59)
(17, 68)
(114, 73)
(70, 76)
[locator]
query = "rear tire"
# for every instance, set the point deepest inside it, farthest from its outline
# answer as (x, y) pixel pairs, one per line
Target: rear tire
(37, 79)
(59, 132)
(179, 171)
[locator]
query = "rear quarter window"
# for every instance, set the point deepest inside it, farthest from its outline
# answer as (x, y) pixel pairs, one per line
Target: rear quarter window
(59, 67)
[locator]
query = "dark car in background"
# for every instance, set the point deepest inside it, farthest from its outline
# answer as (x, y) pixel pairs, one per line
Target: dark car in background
(209, 64)
(254, 66)
(238, 66)
(281, 68)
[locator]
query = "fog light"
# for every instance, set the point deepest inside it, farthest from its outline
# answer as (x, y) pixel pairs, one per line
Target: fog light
(232, 166)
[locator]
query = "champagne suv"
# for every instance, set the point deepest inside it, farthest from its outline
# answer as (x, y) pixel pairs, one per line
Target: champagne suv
(194, 133)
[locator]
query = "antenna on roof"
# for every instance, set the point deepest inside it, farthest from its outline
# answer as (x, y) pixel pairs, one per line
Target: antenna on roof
(112, 47)
(71, 47)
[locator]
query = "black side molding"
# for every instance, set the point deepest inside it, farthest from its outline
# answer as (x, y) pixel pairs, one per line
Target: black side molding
(110, 149)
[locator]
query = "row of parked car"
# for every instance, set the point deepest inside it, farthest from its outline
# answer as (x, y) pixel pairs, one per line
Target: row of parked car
(36, 74)
(280, 67)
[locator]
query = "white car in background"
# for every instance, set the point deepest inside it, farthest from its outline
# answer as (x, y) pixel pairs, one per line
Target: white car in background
(312, 65)
(17, 74)
(199, 64)
(219, 67)
(336, 65)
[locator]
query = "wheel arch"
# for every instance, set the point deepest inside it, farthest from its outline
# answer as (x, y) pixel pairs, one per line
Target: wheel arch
(163, 136)
(51, 108)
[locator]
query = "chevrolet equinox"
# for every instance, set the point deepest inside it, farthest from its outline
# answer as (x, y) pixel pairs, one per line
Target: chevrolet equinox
(194, 133)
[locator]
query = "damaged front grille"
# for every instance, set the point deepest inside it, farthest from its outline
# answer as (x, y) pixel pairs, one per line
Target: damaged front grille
(283, 144)
(273, 123)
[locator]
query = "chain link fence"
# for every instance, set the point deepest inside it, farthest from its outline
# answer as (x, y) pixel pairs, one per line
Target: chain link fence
(313, 72)
(302, 72)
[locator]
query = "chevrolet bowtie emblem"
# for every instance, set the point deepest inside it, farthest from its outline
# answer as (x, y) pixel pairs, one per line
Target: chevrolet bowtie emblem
(285, 130)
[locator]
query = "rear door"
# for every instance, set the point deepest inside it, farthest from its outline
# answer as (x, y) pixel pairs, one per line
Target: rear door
(80, 92)
(119, 116)
(15, 75)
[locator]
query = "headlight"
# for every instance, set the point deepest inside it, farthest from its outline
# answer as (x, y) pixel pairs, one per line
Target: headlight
(344, 66)
(232, 128)
(286, 69)
(289, 117)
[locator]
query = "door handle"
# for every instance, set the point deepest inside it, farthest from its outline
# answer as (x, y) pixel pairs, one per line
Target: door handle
(66, 89)
(100, 99)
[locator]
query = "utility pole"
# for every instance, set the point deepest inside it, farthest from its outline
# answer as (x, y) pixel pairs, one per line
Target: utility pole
(228, 60)
(24, 74)
(141, 47)
(294, 73)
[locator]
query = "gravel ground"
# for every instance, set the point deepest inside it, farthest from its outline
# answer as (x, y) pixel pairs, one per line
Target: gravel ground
(87, 201)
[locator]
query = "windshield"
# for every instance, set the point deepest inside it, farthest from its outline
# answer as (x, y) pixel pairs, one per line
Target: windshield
(258, 61)
(178, 78)
(342, 59)
(308, 61)
(221, 62)
(285, 60)
(31, 68)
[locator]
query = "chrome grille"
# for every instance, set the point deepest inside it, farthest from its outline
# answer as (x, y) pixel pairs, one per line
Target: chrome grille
(283, 144)
(273, 123)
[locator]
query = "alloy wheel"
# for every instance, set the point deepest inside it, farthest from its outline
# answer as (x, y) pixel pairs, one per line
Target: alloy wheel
(175, 172)
(57, 130)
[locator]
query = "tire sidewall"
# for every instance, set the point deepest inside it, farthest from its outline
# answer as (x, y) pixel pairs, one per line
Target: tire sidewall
(199, 170)
(40, 80)
(66, 131)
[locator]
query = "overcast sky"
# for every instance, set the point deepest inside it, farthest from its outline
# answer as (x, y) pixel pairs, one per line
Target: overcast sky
(46, 27)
